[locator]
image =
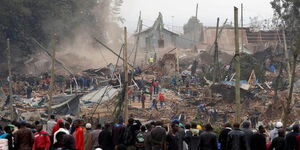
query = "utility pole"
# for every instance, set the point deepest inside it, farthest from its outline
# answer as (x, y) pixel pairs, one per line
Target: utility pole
(242, 27)
(197, 11)
(126, 77)
(11, 100)
(237, 66)
(216, 55)
(52, 83)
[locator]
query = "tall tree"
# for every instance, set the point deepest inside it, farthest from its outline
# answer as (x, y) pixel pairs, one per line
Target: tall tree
(288, 12)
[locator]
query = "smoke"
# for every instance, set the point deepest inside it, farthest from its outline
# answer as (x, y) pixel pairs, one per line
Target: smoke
(76, 46)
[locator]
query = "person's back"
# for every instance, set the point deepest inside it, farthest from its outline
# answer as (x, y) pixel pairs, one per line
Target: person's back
(236, 139)
(117, 132)
(223, 136)
(50, 124)
(23, 138)
(158, 136)
(41, 139)
(68, 142)
(95, 135)
(248, 133)
(291, 139)
(278, 142)
(208, 139)
(88, 145)
(258, 140)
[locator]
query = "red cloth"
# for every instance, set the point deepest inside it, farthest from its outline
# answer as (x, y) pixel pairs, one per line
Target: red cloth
(79, 139)
(161, 97)
(154, 84)
(268, 145)
(298, 141)
(41, 141)
(56, 127)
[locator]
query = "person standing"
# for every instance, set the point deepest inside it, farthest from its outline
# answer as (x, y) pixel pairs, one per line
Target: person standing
(41, 139)
(147, 142)
(95, 135)
(130, 131)
(278, 142)
(50, 124)
(23, 138)
(88, 145)
(291, 139)
(105, 138)
(143, 100)
(172, 138)
(117, 131)
(248, 133)
(158, 136)
(154, 104)
(161, 99)
(78, 135)
(140, 139)
(274, 132)
(208, 139)
(8, 135)
(223, 136)
(258, 140)
(236, 139)
(61, 129)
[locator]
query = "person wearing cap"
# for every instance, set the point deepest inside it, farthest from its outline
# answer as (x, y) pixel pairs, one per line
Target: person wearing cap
(88, 145)
(291, 138)
(258, 140)
(23, 138)
(274, 132)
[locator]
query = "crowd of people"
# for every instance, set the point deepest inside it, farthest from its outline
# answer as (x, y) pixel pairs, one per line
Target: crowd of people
(76, 134)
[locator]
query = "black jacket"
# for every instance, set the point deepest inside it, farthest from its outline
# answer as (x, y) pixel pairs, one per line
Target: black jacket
(223, 137)
(277, 143)
(248, 134)
(105, 140)
(236, 140)
(291, 141)
(258, 142)
(208, 141)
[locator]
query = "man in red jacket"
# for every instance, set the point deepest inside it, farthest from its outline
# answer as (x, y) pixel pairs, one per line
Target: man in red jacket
(78, 134)
(41, 139)
(161, 98)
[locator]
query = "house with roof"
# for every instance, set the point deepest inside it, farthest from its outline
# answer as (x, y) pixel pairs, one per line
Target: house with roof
(156, 37)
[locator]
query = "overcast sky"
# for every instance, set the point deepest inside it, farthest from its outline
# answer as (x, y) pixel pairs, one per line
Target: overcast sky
(182, 10)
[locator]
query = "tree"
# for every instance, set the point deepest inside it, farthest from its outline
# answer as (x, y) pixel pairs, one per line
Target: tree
(287, 11)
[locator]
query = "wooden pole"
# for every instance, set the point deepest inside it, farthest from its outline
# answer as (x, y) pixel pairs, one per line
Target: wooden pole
(216, 61)
(197, 11)
(242, 26)
(125, 56)
(237, 67)
(52, 83)
(11, 100)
